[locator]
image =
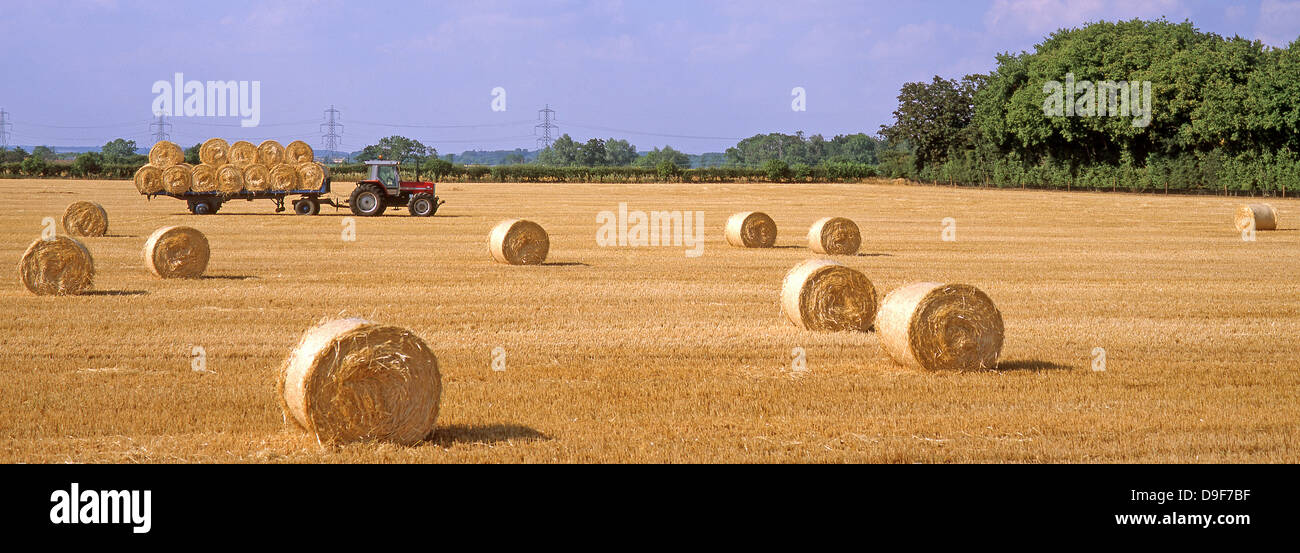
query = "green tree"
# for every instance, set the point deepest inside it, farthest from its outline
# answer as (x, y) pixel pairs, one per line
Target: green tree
(44, 152)
(12, 156)
(436, 168)
(563, 152)
(192, 154)
(119, 150)
(87, 164)
(932, 117)
(592, 154)
(398, 148)
(33, 166)
(655, 157)
(619, 152)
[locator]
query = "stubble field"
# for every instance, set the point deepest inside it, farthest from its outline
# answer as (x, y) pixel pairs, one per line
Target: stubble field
(647, 355)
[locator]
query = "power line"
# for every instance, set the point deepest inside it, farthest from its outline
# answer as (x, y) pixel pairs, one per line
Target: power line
(332, 130)
(644, 133)
(160, 129)
(547, 116)
(469, 126)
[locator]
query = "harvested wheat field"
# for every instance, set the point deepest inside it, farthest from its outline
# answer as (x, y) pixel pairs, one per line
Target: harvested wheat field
(644, 354)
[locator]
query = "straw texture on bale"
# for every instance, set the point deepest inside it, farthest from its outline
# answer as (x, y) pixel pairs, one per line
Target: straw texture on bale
(284, 177)
(242, 154)
(940, 327)
(178, 179)
(311, 175)
(257, 178)
(230, 179)
(519, 242)
(214, 152)
(1263, 215)
(298, 152)
(149, 180)
(751, 229)
(165, 154)
(270, 153)
(203, 178)
(834, 236)
(177, 252)
(56, 267)
(820, 294)
(85, 219)
(352, 380)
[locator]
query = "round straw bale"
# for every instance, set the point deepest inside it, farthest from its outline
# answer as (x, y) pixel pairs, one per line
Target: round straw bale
(242, 154)
(59, 266)
(149, 180)
(936, 327)
(85, 219)
(178, 178)
(834, 236)
(214, 152)
(353, 380)
(257, 178)
(165, 154)
(1263, 215)
(519, 242)
(751, 229)
(270, 153)
(298, 152)
(285, 177)
(230, 179)
(820, 294)
(203, 178)
(311, 175)
(176, 252)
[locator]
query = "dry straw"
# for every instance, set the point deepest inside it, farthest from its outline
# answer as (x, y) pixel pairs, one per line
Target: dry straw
(940, 327)
(242, 154)
(1264, 216)
(519, 242)
(165, 154)
(214, 152)
(59, 266)
(203, 178)
(85, 219)
(230, 179)
(352, 380)
(298, 152)
(820, 294)
(834, 236)
(751, 229)
(178, 179)
(311, 175)
(270, 153)
(176, 252)
(149, 180)
(284, 177)
(257, 178)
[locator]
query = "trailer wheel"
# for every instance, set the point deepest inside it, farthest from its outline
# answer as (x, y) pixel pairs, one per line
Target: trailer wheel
(306, 206)
(367, 201)
(423, 205)
(204, 207)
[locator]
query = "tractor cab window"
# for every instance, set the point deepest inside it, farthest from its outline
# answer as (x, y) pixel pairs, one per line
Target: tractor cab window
(388, 176)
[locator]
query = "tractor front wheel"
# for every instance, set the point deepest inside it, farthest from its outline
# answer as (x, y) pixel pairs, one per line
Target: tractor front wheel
(367, 201)
(423, 205)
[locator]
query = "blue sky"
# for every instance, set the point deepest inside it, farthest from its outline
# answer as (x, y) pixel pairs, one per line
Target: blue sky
(707, 72)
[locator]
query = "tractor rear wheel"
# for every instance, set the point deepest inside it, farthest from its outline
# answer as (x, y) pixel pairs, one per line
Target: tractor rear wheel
(368, 200)
(423, 205)
(306, 206)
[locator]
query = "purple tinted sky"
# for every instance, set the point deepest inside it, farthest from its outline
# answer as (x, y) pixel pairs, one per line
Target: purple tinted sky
(695, 68)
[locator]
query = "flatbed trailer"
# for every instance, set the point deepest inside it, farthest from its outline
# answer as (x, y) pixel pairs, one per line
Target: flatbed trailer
(307, 202)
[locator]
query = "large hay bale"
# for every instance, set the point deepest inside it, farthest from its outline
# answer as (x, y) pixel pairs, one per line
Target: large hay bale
(242, 154)
(820, 294)
(58, 266)
(203, 178)
(298, 152)
(214, 152)
(936, 326)
(519, 242)
(270, 153)
(165, 154)
(311, 175)
(353, 380)
(1264, 216)
(149, 180)
(230, 179)
(178, 179)
(285, 177)
(257, 178)
(834, 236)
(177, 252)
(85, 219)
(751, 229)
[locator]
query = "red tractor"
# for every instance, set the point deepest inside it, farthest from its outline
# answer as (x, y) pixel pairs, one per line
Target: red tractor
(384, 189)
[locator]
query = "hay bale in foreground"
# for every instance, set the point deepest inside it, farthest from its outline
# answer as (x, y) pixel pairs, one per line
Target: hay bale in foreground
(257, 178)
(820, 294)
(940, 327)
(230, 179)
(178, 179)
(285, 177)
(298, 152)
(353, 380)
(203, 178)
(85, 219)
(751, 229)
(214, 152)
(311, 175)
(242, 154)
(165, 154)
(834, 236)
(177, 252)
(270, 153)
(56, 267)
(148, 180)
(519, 242)
(1264, 217)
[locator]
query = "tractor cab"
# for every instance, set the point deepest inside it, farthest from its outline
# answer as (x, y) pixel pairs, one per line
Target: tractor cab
(384, 188)
(385, 172)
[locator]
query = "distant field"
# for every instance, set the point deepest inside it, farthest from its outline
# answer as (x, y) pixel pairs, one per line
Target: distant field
(646, 355)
